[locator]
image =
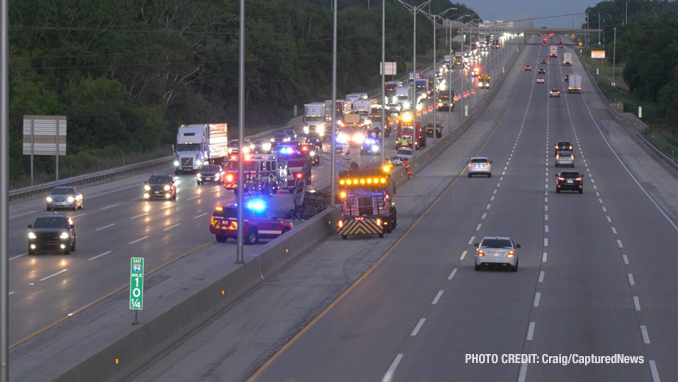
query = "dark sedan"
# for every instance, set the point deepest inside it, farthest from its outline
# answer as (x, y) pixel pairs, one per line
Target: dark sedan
(51, 232)
(211, 174)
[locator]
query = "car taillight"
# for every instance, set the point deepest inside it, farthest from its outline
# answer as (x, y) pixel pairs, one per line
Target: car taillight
(340, 223)
(299, 175)
(229, 177)
(561, 178)
(578, 179)
(510, 254)
(570, 147)
(481, 253)
(378, 221)
(470, 164)
(557, 156)
(572, 157)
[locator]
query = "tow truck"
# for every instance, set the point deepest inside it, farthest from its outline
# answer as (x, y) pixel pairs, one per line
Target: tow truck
(258, 223)
(264, 173)
(367, 203)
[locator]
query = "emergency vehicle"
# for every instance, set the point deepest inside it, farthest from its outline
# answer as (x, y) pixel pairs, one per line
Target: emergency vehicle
(258, 223)
(407, 135)
(263, 173)
(295, 158)
(367, 203)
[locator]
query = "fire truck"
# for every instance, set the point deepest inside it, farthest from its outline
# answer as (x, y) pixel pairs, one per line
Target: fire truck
(407, 136)
(296, 158)
(367, 203)
(264, 173)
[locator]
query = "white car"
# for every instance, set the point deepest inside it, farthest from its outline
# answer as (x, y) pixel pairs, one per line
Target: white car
(565, 158)
(479, 166)
(405, 153)
(496, 251)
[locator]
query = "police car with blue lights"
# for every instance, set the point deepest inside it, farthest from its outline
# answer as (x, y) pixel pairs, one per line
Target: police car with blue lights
(258, 222)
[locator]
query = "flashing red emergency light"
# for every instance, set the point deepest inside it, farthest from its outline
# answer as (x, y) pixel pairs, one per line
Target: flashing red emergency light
(299, 175)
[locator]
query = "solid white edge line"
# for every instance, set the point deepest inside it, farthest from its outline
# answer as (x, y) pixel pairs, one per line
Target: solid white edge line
(454, 271)
(631, 280)
(98, 256)
(636, 303)
(537, 297)
(416, 328)
(16, 257)
(389, 373)
(111, 206)
(541, 276)
(138, 240)
(104, 227)
(437, 297)
(50, 276)
(170, 227)
(653, 370)
(523, 372)
(77, 216)
(646, 336)
(530, 331)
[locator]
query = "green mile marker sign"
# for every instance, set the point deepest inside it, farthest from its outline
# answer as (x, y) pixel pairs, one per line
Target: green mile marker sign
(136, 283)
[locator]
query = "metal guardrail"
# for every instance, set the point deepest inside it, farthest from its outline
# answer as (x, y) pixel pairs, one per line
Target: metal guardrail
(659, 151)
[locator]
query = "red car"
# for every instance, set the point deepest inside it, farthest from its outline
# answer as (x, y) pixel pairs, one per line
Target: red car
(543, 62)
(258, 223)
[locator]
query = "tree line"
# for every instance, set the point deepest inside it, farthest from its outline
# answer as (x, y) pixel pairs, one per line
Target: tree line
(126, 73)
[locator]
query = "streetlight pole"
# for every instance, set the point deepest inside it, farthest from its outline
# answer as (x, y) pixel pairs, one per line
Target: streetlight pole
(334, 107)
(626, 18)
(382, 136)
(240, 258)
(598, 28)
(614, 54)
(4, 192)
(414, 9)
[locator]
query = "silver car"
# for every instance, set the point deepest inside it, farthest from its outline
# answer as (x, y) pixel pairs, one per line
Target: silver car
(64, 197)
(479, 166)
(496, 251)
(565, 158)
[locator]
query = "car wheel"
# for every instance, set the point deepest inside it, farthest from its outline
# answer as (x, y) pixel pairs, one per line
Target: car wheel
(285, 230)
(581, 191)
(343, 237)
(67, 251)
(252, 236)
(489, 175)
(515, 269)
(73, 245)
(82, 205)
(477, 267)
(235, 191)
(469, 174)
(221, 238)
(31, 252)
(557, 190)
(174, 197)
(572, 165)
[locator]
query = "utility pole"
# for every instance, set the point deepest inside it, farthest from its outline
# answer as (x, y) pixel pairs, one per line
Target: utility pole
(4, 192)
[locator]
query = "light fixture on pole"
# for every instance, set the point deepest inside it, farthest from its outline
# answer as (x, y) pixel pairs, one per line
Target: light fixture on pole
(434, 18)
(413, 101)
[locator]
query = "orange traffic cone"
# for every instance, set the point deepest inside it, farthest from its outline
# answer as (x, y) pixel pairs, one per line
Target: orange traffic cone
(408, 168)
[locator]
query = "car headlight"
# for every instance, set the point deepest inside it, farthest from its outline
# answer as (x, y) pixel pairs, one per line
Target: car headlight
(167, 187)
(306, 130)
(64, 235)
(229, 177)
(312, 153)
(176, 163)
(359, 138)
(406, 104)
(266, 146)
(216, 176)
(375, 148)
(342, 138)
(48, 199)
(147, 187)
(320, 129)
(31, 235)
(71, 199)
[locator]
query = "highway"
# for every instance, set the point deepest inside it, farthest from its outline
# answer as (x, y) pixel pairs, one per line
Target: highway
(597, 272)
(116, 224)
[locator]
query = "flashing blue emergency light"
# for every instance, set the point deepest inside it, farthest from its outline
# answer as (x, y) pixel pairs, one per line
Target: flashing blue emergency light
(370, 141)
(256, 205)
(286, 150)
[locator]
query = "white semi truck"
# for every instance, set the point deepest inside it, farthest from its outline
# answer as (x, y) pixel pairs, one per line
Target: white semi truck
(314, 118)
(200, 144)
(574, 83)
(567, 58)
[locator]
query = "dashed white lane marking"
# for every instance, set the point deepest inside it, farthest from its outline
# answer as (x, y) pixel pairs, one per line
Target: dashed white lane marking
(604, 209)
(24, 214)
(537, 297)
(52, 275)
(523, 372)
(454, 271)
(488, 207)
(471, 241)
(492, 198)
(600, 200)
(546, 208)
(463, 255)
(530, 331)
(98, 256)
(541, 276)
(478, 227)
(10, 293)
(626, 259)
(631, 280)
(77, 216)
(546, 192)
(318, 167)
(419, 325)
(138, 240)
(543, 257)
(653, 370)
(594, 187)
(495, 191)
(388, 377)
(614, 230)
(498, 184)
(546, 228)
(592, 181)
(170, 227)
(114, 205)
(199, 216)
(597, 194)
(505, 167)
(503, 173)
(608, 219)
(619, 243)
(138, 216)
(636, 303)
(484, 214)
(193, 197)
(546, 199)
(18, 256)
(546, 217)
(501, 178)
(435, 300)
(546, 242)
(646, 337)
(104, 227)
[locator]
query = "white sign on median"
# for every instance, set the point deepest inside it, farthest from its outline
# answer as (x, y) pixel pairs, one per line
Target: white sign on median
(390, 68)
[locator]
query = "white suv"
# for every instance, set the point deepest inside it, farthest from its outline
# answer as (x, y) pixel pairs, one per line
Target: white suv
(479, 166)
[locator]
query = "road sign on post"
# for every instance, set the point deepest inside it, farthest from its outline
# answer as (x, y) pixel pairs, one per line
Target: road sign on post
(136, 285)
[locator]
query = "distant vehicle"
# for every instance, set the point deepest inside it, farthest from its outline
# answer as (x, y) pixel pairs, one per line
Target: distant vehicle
(574, 83)
(569, 180)
(528, 68)
(64, 197)
(565, 158)
(291, 133)
(434, 125)
(404, 153)
(356, 96)
(213, 173)
(261, 146)
(541, 71)
(199, 145)
(496, 251)
(554, 93)
(563, 146)
(447, 61)
(567, 59)
(280, 137)
(444, 102)
(160, 186)
(540, 80)
(543, 61)
(553, 51)
(233, 147)
(479, 166)
(52, 232)
(314, 117)
(258, 223)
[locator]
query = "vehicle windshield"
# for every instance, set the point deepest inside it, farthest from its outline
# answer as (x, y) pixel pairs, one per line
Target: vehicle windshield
(210, 169)
(63, 191)
(51, 222)
(158, 179)
(478, 160)
(569, 174)
(496, 243)
(188, 147)
(404, 152)
(565, 153)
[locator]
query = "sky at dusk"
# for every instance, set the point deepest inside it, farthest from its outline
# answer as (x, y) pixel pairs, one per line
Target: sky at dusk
(541, 11)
